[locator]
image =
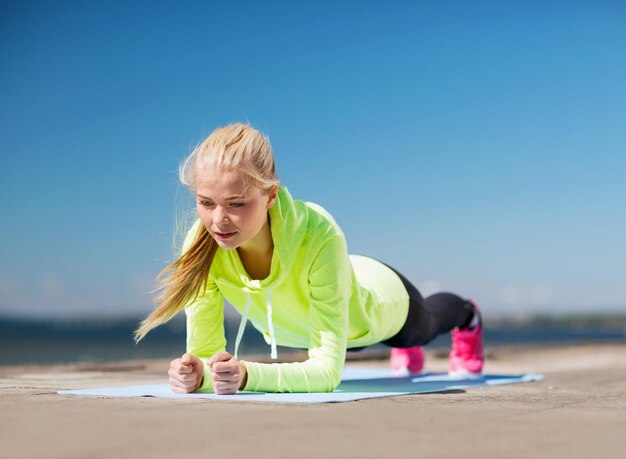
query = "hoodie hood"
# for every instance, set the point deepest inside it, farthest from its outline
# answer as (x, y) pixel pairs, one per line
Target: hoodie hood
(288, 224)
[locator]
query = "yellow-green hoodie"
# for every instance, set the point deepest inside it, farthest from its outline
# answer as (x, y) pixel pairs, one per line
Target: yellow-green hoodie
(316, 297)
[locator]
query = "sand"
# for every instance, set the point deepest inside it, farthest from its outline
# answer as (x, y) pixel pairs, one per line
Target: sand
(578, 411)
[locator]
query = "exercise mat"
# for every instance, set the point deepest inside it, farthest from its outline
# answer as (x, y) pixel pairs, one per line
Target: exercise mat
(357, 383)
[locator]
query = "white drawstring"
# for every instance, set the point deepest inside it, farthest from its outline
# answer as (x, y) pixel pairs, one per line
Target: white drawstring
(270, 326)
(242, 325)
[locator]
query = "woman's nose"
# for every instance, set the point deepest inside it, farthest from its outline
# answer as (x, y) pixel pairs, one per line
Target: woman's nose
(219, 213)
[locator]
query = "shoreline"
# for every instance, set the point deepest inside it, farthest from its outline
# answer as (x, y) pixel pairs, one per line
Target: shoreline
(287, 355)
(65, 348)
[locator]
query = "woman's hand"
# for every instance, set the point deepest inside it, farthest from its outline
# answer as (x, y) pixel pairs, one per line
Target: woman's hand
(185, 374)
(227, 373)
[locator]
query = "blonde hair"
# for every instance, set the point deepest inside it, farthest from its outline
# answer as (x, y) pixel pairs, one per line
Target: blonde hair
(239, 147)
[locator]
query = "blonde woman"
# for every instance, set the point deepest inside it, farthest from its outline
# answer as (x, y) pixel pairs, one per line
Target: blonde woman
(284, 265)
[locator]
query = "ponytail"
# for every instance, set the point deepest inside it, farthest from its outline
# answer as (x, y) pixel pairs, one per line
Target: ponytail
(187, 277)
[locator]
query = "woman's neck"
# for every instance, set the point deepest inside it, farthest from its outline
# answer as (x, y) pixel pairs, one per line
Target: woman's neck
(261, 245)
(257, 260)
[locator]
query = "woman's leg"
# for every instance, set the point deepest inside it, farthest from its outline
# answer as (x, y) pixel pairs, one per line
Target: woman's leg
(431, 316)
(427, 318)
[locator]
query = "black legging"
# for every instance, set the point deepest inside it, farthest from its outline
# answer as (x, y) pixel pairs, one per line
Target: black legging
(429, 317)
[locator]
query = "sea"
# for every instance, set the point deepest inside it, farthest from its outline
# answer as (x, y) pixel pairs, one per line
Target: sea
(25, 341)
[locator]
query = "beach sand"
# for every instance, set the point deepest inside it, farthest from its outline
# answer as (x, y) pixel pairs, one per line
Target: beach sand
(578, 411)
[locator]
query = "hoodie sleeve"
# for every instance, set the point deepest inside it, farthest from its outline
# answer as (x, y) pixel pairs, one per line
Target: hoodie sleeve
(330, 288)
(205, 321)
(205, 330)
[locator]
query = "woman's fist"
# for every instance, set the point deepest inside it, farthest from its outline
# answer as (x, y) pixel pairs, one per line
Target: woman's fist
(185, 373)
(228, 374)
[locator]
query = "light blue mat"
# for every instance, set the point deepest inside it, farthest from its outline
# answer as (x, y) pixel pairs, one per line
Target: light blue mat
(357, 383)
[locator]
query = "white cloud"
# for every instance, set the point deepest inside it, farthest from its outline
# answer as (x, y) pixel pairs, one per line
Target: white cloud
(142, 282)
(541, 294)
(52, 287)
(509, 294)
(429, 287)
(7, 285)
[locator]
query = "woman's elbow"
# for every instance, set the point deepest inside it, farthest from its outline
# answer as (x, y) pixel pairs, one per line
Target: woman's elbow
(332, 381)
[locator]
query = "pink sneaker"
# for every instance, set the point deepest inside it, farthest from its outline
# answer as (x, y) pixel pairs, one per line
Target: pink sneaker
(466, 356)
(406, 361)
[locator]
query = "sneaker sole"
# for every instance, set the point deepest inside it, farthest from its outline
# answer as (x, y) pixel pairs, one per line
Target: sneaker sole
(464, 374)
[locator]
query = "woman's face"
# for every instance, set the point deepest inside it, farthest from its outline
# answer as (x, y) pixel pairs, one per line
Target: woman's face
(231, 211)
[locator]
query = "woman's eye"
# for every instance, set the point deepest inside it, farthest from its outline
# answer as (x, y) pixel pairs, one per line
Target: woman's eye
(210, 204)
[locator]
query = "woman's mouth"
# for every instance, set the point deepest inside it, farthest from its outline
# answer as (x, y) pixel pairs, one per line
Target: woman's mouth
(225, 235)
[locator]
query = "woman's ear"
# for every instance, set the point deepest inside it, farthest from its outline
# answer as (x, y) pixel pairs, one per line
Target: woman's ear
(272, 196)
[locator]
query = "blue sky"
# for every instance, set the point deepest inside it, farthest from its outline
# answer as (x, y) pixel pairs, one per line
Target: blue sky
(478, 147)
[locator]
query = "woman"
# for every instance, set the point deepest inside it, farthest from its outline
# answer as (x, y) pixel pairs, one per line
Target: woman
(284, 265)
